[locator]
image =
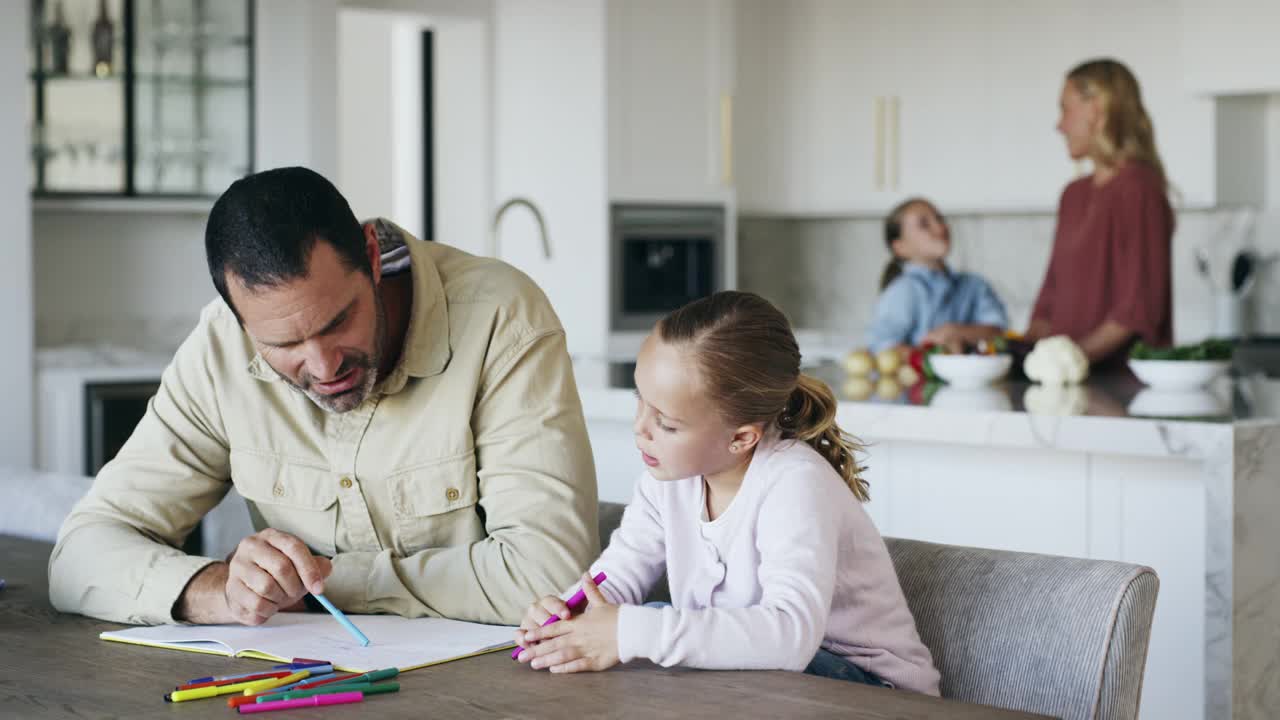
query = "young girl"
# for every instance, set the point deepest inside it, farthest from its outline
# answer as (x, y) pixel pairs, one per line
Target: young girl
(752, 505)
(920, 299)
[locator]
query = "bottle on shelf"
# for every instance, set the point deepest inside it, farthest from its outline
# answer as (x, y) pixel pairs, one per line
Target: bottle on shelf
(104, 33)
(59, 35)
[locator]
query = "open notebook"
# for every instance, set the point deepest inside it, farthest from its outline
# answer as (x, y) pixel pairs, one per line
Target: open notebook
(393, 641)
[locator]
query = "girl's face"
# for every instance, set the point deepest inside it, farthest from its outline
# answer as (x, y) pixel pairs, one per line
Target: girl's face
(1078, 121)
(678, 431)
(925, 237)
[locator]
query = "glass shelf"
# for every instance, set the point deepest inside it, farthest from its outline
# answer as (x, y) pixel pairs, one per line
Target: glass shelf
(171, 117)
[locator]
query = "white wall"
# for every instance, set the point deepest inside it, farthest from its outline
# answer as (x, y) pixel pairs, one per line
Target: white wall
(463, 132)
(296, 65)
(16, 438)
(119, 278)
(365, 142)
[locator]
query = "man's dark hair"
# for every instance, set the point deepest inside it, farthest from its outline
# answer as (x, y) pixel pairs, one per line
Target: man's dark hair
(263, 228)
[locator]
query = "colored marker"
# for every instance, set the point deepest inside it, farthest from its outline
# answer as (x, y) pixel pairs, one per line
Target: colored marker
(364, 688)
(294, 685)
(258, 686)
(337, 615)
(208, 692)
(309, 661)
(316, 682)
(240, 678)
(575, 603)
(342, 698)
(295, 666)
(374, 676)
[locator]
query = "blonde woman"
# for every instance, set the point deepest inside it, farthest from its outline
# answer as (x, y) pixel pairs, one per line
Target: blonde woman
(1108, 282)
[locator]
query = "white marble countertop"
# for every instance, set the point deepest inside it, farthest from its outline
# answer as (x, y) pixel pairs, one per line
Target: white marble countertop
(1111, 418)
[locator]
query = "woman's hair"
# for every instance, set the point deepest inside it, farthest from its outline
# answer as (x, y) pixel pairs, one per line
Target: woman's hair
(893, 231)
(749, 361)
(1126, 133)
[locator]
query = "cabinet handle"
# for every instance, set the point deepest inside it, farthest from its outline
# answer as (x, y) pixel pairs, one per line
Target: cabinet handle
(878, 162)
(894, 143)
(726, 139)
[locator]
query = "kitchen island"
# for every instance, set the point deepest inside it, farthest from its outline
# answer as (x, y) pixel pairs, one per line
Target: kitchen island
(1099, 472)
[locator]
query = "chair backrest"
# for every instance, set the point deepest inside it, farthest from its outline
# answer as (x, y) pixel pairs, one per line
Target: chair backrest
(1039, 633)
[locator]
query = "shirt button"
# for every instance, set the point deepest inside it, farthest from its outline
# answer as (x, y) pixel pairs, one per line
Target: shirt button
(345, 483)
(452, 494)
(277, 491)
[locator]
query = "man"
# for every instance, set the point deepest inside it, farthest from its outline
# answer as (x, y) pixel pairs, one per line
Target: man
(400, 415)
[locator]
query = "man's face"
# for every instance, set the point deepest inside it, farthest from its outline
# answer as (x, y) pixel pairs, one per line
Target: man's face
(322, 333)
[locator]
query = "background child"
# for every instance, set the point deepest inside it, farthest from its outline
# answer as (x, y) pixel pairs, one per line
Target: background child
(921, 300)
(751, 505)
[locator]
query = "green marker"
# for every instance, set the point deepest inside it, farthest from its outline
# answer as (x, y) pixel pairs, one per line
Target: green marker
(364, 688)
(369, 677)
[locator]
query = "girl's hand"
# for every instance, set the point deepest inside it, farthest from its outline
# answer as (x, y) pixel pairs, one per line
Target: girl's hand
(589, 642)
(538, 613)
(950, 336)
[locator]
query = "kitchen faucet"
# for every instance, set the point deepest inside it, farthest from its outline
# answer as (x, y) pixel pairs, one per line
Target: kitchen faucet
(537, 215)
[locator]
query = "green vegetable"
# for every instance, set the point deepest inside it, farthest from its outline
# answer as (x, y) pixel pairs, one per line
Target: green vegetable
(1212, 349)
(929, 374)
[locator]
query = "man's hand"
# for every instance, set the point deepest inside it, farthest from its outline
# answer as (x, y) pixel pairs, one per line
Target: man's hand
(269, 572)
(587, 642)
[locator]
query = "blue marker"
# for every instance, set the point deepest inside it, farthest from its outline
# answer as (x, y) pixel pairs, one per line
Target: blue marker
(337, 615)
(312, 666)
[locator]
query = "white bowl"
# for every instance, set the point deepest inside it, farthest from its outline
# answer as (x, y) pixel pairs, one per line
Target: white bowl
(1178, 374)
(970, 371)
(1176, 403)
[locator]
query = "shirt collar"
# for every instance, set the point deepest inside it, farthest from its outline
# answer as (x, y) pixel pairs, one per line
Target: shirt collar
(926, 271)
(426, 344)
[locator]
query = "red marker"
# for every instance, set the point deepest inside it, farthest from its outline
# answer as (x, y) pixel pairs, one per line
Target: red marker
(228, 681)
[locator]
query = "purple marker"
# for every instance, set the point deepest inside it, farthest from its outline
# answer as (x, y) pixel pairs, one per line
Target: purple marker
(575, 603)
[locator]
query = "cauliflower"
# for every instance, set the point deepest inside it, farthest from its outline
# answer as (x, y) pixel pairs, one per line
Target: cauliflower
(1056, 361)
(1055, 400)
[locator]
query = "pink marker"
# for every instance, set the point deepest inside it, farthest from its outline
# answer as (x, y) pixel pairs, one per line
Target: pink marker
(575, 603)
(313, 701)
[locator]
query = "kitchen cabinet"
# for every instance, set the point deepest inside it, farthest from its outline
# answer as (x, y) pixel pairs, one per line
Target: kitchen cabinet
(140, 98)
(1229, 47)
(670, 100)
(847, 107)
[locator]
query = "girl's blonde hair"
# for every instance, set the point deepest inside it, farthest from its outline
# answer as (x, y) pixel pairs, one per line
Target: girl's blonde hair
(893, 231)
(749, 361)
(1126, 133)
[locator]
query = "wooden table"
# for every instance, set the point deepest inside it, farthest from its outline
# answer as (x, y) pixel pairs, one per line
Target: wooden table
(54, 666)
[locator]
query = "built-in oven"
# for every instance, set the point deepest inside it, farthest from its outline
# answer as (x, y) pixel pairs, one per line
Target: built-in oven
(663, 257)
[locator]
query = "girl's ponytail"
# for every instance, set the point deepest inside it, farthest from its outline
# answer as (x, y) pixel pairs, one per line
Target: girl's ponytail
(810, 416)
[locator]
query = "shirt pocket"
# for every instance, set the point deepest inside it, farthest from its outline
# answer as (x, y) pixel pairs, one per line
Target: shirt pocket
(435, 505)
(296, 499)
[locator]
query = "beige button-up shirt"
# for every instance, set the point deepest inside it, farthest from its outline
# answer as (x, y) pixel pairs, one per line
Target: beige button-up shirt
(463, 487)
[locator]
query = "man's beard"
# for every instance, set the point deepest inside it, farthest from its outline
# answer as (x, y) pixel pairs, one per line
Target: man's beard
(352, 398)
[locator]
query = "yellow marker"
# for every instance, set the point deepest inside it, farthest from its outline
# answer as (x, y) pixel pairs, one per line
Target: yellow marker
(258, 686)
(208, 692)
